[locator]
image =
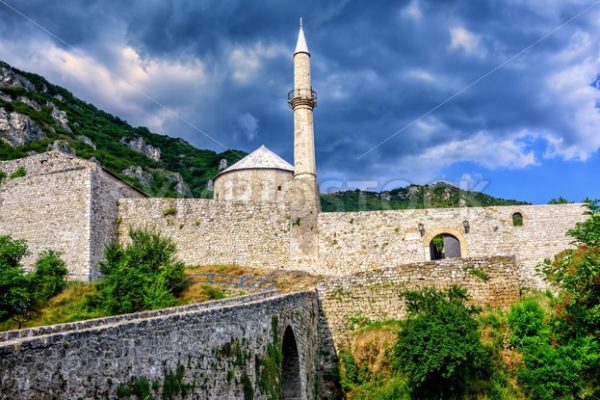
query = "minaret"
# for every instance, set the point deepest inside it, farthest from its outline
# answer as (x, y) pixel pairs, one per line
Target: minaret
(305, 204)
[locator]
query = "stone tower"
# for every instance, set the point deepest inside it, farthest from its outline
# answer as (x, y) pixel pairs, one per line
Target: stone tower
(304, 196)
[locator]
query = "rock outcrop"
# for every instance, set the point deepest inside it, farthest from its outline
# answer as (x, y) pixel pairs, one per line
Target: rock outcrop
(138, 173)
(10, 79)
(62, 146)
(86, 140)
(138, 144)
(60, 117)
(17, 129)
(31, 103)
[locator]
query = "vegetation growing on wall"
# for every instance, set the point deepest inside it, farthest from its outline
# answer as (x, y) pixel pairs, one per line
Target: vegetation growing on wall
(269, 366)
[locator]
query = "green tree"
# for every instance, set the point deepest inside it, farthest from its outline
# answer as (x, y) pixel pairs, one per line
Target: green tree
(439, 345)
(15, 295)
(49, 277)
(141, 275)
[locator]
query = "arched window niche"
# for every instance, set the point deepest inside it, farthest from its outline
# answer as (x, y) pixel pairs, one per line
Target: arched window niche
(517, 219)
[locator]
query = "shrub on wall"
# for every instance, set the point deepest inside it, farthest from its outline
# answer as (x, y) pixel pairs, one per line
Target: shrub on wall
(19, 172)
(141, 275)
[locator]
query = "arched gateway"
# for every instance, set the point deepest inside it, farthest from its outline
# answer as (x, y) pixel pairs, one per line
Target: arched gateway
(291, 385)
(445, 245)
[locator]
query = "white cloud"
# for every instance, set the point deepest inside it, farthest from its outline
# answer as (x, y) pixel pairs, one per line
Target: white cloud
(463, 39)
(126, 88)
(247, 125)
(246, 62)
(413, 11)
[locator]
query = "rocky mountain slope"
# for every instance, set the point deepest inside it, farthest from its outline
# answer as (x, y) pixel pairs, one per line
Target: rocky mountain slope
(36, 116)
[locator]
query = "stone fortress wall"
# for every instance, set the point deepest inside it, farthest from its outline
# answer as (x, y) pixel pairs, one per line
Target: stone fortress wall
(74, 206)
(217, 346)
(214, 232)
(63, 203)
(361, 241)
(377, 295)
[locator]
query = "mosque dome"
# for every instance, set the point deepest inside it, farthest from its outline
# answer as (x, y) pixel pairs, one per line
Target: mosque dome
(260, 176)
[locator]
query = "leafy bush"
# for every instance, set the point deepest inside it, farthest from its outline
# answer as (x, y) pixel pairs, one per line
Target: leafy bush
(21, 293)
(577, 273)
(14, 284)
(439, 346)
(49, 276)
(559, 372)
(526, 319)
(141, 275)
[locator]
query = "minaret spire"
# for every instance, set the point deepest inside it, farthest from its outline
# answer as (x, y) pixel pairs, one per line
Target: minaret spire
(301, 46)
(304, 199)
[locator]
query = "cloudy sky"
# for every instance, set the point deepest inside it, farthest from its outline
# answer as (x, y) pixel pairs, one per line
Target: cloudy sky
(500, 96)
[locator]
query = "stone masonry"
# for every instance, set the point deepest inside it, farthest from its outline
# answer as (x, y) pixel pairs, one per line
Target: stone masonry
(218, 347)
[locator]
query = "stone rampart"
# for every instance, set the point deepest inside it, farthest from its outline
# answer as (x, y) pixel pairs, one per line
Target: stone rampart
(376, 295)
(214, 232)
(62, 203)
(361, 241)
(218, 351)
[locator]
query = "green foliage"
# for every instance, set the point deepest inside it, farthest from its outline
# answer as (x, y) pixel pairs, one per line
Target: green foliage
(350, 373)
(142, 275)
(517, 219)
(559, 200)
(269, 367)
(395, 388)
(247, 387)
(477, 273)
(438, 195)
(174, 386)
(526, 318)
(559, 372)
(49, 278)
(22, 293)
(140, 389)
(19, 172)
(170, 212)
(439, 346)
(588, 231)
(15, 293)
(438, 242)
(2, 176)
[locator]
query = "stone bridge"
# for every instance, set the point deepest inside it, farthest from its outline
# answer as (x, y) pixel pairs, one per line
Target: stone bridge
(261, 346)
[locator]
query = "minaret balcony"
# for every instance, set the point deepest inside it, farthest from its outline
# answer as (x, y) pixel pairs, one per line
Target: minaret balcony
(298, 97)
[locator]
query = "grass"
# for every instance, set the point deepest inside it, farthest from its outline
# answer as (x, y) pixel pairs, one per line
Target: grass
(71, 304)
(284, 280)
(68, 306)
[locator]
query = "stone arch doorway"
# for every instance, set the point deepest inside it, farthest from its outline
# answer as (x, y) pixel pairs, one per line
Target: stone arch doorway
(290, 367)
(443, 246)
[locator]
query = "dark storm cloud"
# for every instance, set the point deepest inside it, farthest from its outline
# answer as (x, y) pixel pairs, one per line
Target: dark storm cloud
(225, 67)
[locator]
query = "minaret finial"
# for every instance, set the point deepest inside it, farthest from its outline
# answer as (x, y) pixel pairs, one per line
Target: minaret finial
(300, 22)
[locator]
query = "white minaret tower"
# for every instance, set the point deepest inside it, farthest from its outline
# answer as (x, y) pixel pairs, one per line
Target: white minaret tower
(305, 204)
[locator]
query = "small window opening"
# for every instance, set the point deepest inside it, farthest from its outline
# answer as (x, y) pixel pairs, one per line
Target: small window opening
(517, 219)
